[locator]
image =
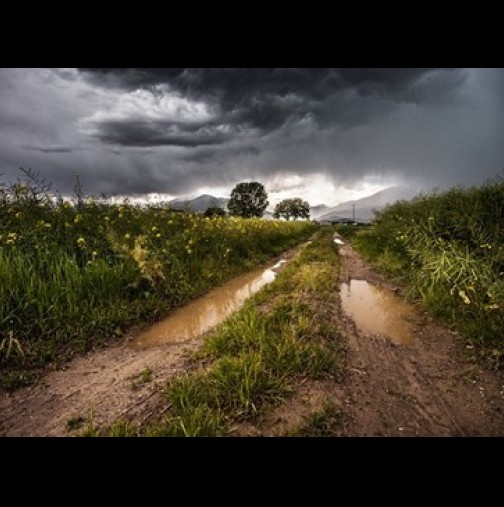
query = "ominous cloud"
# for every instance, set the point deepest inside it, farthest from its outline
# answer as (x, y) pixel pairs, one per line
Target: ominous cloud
(52, 149)
(177, 130)
(245, 101)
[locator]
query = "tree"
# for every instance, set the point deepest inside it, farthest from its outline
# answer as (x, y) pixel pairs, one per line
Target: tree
(296, 208)
(215, 211)
(248, 199)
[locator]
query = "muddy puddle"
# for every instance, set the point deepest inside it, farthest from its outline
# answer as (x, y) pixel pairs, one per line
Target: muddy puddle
(203, 314)
(377, 311)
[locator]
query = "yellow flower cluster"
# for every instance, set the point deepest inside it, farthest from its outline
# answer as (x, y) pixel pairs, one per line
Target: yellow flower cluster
(11, 238)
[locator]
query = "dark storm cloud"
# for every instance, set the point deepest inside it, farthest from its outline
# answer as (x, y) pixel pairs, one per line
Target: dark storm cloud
(262, 100)
(134, 131)
(145, 134)
(48, 149)
(234, 86)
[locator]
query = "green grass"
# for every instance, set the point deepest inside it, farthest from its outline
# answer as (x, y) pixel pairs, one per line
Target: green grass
(75, 423)
(448, 249)
(254, 360)
(74, 275)
(144, 377)
(326, 422)
(192, 422)
(123, 429)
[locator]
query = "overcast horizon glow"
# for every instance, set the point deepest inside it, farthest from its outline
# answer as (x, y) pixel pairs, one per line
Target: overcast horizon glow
(325, 135)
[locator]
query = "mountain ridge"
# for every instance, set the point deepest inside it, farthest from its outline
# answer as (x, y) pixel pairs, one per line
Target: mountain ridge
(365, 207)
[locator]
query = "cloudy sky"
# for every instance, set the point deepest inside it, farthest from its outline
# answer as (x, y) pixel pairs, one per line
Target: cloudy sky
(323, 134)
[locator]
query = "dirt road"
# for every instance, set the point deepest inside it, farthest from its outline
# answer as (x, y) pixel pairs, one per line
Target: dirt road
(124, 381)
(104, 385)
(424, 388)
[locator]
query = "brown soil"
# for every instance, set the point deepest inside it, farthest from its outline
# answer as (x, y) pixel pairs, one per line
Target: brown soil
(427, 388)
(105, 385)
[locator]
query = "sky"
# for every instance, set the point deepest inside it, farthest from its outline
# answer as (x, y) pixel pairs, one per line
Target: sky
(324, 134)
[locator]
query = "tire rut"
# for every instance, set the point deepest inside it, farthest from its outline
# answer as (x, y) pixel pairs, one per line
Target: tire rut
(413, 390)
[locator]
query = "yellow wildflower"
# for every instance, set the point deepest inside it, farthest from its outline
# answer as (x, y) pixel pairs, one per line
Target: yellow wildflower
(464, 297)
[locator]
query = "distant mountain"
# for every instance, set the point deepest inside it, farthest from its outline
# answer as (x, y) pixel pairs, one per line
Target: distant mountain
(317, 211)
(198, 204)
(365, 207)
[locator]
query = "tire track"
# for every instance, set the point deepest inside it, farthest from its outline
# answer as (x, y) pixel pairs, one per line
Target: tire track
(413, 390)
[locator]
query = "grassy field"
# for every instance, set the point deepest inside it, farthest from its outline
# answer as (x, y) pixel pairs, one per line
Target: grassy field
(255, 359)
(448, 248)
(75, 274)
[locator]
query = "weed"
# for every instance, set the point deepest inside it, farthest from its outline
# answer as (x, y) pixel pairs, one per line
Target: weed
(91, 429)
(326, 422)
(144, 377)
(123, 428)
(75, 423)
(200, 421)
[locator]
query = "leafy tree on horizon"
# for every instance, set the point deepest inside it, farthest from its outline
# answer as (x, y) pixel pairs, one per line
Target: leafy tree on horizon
(215, 211)
(248, 199)
(292, 208)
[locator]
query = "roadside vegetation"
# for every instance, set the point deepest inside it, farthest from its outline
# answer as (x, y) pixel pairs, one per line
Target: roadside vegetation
(75, 273)
(448, 248)
(256, 358)
(329, 421)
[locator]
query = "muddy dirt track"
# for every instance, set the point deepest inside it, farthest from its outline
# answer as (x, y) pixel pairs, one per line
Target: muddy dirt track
(424, 388)
(124, 381)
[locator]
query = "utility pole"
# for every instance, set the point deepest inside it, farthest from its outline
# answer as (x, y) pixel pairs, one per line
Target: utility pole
(354, 213)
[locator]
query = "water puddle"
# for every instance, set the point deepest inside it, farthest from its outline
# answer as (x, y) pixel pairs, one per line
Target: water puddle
(204, 313)
(377, 311)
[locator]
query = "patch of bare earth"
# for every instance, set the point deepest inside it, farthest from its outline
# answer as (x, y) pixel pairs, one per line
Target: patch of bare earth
(105, 385)
(423, 389)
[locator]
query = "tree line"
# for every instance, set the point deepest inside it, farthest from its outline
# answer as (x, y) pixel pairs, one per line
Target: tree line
(250, 199)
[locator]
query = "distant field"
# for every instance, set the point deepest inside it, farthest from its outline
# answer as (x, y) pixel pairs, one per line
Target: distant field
(449, 249)
(74, 275)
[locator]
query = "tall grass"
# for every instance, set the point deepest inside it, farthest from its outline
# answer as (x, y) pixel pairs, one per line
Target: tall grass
(256, 357)
(449, 249)
(73, 274)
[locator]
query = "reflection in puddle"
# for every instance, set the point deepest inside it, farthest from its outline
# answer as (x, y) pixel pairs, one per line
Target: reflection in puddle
(204, 313)
(377, 311)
